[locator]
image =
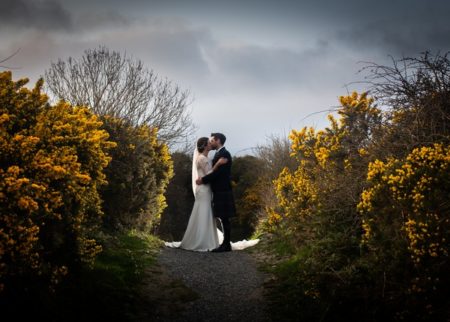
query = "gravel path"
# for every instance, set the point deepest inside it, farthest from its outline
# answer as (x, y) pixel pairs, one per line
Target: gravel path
(229, 286)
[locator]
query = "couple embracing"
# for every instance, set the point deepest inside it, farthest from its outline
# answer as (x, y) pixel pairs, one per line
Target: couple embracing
(211, 183)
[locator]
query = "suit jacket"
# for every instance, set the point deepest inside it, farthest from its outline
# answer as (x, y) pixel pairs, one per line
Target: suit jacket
(220, 179)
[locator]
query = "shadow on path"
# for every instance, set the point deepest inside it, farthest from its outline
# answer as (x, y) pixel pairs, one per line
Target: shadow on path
(226, 286)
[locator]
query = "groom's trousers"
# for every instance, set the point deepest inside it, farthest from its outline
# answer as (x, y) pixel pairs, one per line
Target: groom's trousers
(226, 230)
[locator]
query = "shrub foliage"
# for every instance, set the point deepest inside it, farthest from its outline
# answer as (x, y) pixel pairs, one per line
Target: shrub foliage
(138, 175)
(365, 214)
(52, 159)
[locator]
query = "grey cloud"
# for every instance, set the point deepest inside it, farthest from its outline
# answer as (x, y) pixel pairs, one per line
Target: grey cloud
(54, 16)
(101, 19)
(264, 67)
(407, 36)
(259, 64)
(231, 56)
(169, 46)
(41, 15)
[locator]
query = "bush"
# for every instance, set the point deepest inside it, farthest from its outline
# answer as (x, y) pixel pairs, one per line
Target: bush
(416, 92)
(138, 175)
(316, 215)
(180, 199)
(406, 220)
(365, 215)
(247, 173)
(52, 159)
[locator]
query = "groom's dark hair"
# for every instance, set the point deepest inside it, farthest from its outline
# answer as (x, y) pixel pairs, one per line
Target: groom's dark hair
(220, 137)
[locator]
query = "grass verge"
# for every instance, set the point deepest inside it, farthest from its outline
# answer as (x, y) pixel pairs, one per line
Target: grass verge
(111, 290)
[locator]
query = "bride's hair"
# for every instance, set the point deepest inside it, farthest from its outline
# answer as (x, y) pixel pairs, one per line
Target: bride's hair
(202, 143)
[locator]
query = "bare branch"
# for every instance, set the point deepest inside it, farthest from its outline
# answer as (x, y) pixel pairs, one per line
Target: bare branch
(416, 92)
(8, 58)
(113, 84)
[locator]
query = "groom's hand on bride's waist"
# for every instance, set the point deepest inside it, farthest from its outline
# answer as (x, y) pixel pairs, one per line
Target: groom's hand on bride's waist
(198, 181)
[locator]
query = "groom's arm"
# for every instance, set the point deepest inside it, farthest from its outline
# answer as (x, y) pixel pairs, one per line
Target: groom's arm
(213, 175)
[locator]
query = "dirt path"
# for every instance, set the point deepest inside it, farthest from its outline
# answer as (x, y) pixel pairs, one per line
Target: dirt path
(211, 286)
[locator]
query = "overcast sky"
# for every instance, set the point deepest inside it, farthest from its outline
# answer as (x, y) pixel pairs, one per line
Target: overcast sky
(254, 68)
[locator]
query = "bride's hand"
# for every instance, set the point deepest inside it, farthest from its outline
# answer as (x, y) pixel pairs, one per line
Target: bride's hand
(222, 161)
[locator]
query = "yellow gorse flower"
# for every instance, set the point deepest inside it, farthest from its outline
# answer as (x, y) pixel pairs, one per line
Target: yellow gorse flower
(52, 159)
(412, 191)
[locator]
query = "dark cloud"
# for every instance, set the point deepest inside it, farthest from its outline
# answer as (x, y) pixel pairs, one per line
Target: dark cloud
(407, 35)
(40, 15)
(241, 59)
(54, 16)
(89, 21)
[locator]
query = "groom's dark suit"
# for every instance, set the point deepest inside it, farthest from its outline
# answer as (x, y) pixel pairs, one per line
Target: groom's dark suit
(220, 180)
(223, 201)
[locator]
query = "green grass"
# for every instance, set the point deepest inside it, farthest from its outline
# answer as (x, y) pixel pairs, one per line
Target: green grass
(284, 291)
(125, 257)
(108, 291)
(302, 290)
(111, 289)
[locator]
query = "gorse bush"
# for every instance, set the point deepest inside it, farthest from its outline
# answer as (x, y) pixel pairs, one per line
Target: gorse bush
(365, 215)
(52, 159)
(406, 221)
(143, 114)
(316, 212)
(138, 175)
(179, 198)
(331, 164)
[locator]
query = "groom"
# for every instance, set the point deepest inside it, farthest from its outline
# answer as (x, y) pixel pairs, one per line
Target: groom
(220, 180)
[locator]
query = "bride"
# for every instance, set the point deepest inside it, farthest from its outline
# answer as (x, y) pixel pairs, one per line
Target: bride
(201, 233)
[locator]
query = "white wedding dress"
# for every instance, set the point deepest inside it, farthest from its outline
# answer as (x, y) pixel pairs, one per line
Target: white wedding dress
(201, 233)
